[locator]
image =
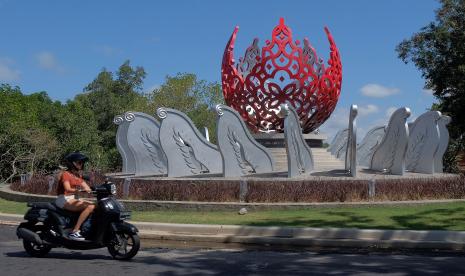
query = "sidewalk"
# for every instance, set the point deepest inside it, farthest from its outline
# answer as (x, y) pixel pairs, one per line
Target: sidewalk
(291, 236)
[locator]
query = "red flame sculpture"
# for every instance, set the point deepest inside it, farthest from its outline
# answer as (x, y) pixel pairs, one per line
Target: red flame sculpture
(281, 73)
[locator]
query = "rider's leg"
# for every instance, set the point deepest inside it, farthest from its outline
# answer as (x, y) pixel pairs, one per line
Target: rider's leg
(84, 207)
(83, 216)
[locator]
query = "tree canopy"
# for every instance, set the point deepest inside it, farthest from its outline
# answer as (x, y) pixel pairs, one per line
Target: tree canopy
(438, 51)
(37, 132)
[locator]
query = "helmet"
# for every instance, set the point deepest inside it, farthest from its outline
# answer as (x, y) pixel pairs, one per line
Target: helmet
(76, 156)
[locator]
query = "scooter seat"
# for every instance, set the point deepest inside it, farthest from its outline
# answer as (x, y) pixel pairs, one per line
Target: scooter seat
(42, 205)
(52, 207)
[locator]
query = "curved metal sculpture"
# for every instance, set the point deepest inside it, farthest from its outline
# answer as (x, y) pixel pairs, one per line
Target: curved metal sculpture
(299, 154)
(187, 151)
(282, 73)
(341, 149)
(129, 162)
(351, 148)
(443, 143)
(369, 144)
(332, 144)
(423, 143)
(390, 154)
(339, 141)
(143, 141)
(241, 153)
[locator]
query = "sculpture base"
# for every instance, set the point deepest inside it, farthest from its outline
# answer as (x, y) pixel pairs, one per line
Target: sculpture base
(276, 140)
(276, 189)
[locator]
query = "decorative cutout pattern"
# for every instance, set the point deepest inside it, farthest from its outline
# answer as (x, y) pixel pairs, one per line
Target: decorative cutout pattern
(153, 147)
(283, 73)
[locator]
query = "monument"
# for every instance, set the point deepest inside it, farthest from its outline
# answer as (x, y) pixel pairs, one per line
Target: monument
(281, 72)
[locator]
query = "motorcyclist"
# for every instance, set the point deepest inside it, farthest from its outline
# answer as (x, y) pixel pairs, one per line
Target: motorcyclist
(71, 181)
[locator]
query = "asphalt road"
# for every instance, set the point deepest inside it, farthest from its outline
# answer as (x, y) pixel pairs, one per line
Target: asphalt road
(197, 261)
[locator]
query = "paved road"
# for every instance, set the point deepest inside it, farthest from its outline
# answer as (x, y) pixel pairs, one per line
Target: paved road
(197, 261)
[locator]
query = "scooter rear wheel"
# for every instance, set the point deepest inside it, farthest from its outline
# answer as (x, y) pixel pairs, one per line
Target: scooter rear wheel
(124, 246)
(36, 250)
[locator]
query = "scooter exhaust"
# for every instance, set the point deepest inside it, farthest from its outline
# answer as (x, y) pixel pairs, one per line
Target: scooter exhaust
(29, 236)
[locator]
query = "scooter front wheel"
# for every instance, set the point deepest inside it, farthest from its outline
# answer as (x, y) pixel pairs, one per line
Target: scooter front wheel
(124, 246)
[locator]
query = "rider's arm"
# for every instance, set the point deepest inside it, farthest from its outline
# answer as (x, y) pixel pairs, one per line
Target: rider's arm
(68, 187)
(85, 186)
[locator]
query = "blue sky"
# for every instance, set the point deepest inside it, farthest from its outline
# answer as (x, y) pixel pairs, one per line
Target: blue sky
(60, 46)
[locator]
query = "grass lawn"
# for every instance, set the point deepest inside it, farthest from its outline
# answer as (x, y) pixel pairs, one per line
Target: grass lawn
(440, 216)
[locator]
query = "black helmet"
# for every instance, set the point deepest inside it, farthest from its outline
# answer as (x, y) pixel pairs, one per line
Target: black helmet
(76, 156)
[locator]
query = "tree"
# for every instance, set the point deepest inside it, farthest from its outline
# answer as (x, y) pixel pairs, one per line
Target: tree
(26, 145)
(75, 129)
(438, 51)
(196, 98)
(36, 132)
(108, 95)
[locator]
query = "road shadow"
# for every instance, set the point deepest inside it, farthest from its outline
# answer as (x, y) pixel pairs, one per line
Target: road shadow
(69, 255)
(294, 263)
(335, 261)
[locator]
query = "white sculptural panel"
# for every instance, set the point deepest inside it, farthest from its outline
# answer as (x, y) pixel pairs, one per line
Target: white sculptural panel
(423, 143)
(390, 154)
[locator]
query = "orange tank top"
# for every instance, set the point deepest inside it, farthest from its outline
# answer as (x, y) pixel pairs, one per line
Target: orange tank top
(74, 181)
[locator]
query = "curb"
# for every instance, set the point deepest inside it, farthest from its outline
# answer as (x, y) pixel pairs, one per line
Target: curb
(291, 236)
(151, 205)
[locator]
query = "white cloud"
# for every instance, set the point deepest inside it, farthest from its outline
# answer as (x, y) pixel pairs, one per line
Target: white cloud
(48, 61)
(108, 51)
(7, 72)
(367, 110)
(378, 91)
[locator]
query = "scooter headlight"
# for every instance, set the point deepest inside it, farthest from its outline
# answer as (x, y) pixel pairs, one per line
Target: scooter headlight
(113, 189)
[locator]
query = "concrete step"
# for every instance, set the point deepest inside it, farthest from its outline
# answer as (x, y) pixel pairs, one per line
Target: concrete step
(326, 163)
(323, 160)
(314, 154)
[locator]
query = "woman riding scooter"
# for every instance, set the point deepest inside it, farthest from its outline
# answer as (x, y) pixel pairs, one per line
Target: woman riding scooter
(71, 181)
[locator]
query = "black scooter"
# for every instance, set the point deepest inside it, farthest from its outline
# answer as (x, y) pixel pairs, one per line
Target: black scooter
(48, 226)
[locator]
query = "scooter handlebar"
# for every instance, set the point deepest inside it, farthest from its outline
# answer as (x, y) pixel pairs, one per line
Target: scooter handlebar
(84, 191)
